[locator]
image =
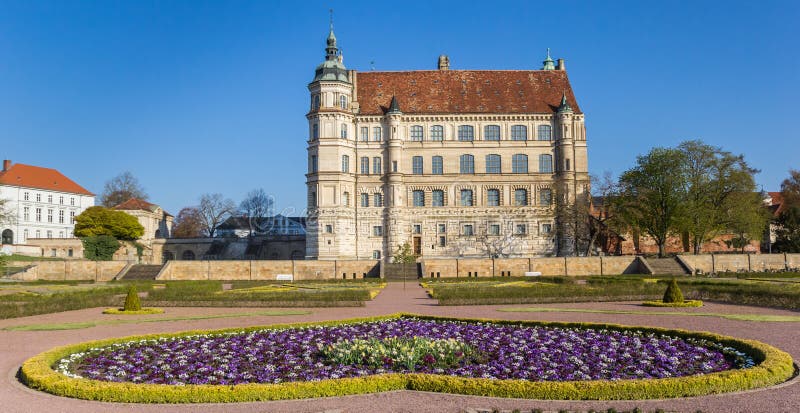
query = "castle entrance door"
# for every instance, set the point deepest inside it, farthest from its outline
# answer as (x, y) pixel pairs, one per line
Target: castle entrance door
(417, 246)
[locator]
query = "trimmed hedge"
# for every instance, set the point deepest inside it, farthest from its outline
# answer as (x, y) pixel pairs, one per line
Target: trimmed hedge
(144, 310)
(685, 303)
(773, 366)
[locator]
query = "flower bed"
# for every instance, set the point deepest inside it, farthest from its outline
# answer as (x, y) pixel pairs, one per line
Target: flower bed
(144, 310)
(500, 358)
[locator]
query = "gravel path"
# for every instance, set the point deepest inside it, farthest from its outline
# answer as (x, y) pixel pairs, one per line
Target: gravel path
(16, 346)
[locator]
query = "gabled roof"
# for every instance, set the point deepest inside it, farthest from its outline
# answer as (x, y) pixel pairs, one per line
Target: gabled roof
(36, 177)
(465, 91)
(136, 204)
(775, 203)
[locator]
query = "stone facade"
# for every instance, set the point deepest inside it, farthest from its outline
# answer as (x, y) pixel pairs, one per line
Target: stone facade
(454, 163)
(157, 223)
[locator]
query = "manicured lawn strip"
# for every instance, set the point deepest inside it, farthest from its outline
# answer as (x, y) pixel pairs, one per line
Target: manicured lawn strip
(740, 317)
(89, 324)
(773, 366)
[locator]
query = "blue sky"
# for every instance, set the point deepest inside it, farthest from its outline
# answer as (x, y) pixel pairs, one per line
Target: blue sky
(195, 97)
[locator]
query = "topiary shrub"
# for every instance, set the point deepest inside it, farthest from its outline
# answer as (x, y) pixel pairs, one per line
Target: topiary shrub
(132, 302)
(673, 293)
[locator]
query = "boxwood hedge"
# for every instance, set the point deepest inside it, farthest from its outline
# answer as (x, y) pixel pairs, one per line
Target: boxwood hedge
(773, 366)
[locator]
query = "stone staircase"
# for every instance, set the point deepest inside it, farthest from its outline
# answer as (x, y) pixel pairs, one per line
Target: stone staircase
(399, 272)
(666, 266)
(142, 272)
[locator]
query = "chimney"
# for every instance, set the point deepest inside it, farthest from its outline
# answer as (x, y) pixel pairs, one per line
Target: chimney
(561, 65)
(6, 164)
(444, 62)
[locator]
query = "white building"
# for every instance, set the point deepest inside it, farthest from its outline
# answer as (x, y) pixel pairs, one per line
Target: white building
(241, 227)
(42, 202)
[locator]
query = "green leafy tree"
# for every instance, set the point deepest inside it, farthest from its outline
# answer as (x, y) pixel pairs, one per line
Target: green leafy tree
(132, 302)
(673, 293)
(100, 248)
(99, 220)
(121, 188)
(787, 231)
(746, 218)
(719, 194)
(790, 189)
(652, 194)
(404, 255)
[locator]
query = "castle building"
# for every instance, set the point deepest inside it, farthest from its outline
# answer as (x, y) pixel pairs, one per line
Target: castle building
(157, 223)
(41, 203)
(456, 163)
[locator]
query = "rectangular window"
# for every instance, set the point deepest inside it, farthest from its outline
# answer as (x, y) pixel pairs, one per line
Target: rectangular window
(437, 167)
(466, 197)
(26, 214)
(416, 165)
(313, 166)
(466, 133)
(416, 133)
(38, 215)
(467, 164)
(546, 163)
(364, 200)
(345, 164)
(364, 165)
(442, 241)
(53, 251)
(493, 163)
(376, 255)
(50, 235)
(71, 217)
(566, 163)
(376, 165)
(494, 229)
(491, 133)
(437, 198)
(364, 133)
(72, 201)
(61, 200)
(61, 234)
(61, 216)
(344, 132)
(377, 231)
(38, 234)
(520, 229)
(49, 199)
(520, 197)
(442, 228)
(394, 166)
(378, 200)
(419, 198)
(27, 196)
(519, 133)
(417, 229)
(38, 197)
(376, 133)
(545, 197)
(493, 197)
(544, 133)
(519, 163)
(49, 216)
(329, 229)
(437, 133)
(468, 230)
(546, 229)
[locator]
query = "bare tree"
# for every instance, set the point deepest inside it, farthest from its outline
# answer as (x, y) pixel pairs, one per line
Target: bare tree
(214, 210)
(572, 214)
(256, 205)
(121, 188)
(603, 216)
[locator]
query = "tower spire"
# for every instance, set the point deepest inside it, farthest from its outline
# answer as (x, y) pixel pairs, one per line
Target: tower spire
(331, 51)
(564, 107)
(548, 63)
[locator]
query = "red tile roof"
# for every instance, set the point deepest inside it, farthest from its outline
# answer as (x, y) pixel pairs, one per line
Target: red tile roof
(464, 91)
(776, 204)
(135, 204)
(29, 176)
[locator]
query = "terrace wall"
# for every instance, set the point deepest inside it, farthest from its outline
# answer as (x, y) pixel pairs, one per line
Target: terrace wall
(71, 270)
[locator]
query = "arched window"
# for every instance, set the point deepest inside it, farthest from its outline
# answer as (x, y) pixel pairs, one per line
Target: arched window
(364, 165)
(546, 163)
(545, 197)
(493, 197)
(467, 164)
(466, 133)
(491, 133)
(187, 255)
(343, 102)
(416, 133)
(7, 237)
(419, 198)
(437, 198)
(493, 164)
(519, 163)
(315, 131)
(416, 165)
(344, 131)
(466, 197)
(345, 163)
(519, 133)
(437, 133)
(437, 165)
(520, 197)
(545, 132)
